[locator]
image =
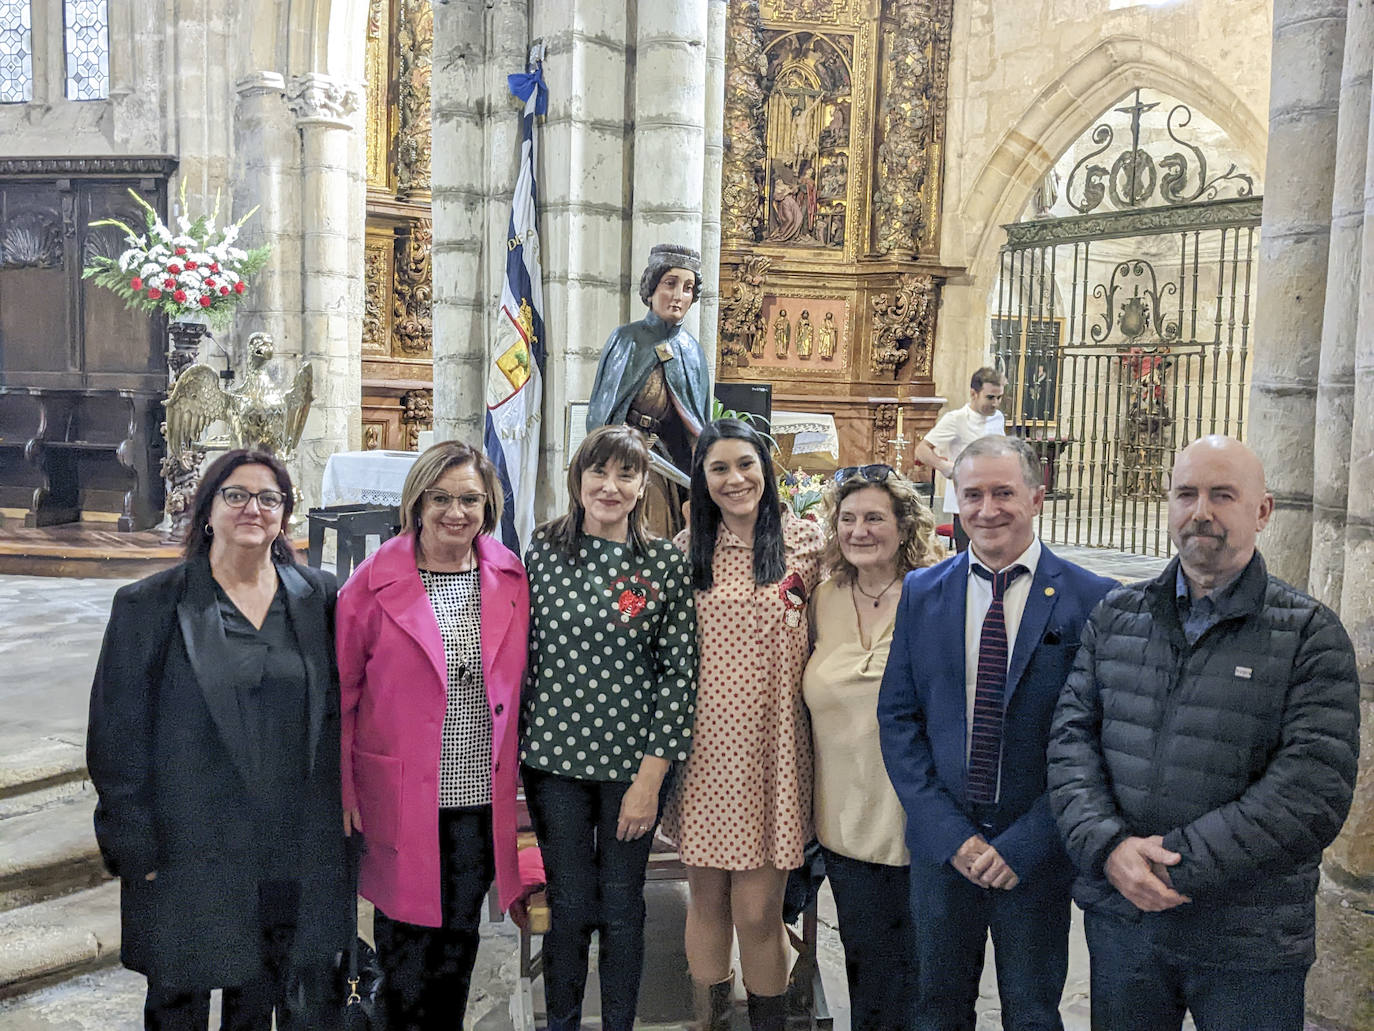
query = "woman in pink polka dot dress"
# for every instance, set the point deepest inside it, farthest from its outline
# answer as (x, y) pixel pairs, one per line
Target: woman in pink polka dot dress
(741, 814)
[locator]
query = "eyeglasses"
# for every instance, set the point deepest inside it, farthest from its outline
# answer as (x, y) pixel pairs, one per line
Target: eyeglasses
(237, 497)
(875, 473)
(443, 499)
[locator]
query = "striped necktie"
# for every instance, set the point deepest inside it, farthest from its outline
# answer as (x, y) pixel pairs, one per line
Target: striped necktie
(985, 748)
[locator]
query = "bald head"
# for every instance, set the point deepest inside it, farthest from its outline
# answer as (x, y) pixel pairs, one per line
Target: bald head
(1217, 507)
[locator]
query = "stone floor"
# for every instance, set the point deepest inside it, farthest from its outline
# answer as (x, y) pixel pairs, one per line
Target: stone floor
(49, 641)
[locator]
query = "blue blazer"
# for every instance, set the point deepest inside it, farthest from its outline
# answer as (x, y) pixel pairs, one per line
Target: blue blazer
(922, 711)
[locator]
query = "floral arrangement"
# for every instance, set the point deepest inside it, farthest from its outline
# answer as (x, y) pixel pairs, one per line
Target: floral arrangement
(191, 274)
(803, 492)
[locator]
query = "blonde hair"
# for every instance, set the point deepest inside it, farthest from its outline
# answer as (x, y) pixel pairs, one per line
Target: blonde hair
(917, 544)
(430, 466)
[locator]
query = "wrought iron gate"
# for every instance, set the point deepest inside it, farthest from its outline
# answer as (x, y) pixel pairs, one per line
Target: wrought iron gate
(1126, 333)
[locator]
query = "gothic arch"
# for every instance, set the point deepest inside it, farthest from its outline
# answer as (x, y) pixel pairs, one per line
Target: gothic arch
(1068, 106)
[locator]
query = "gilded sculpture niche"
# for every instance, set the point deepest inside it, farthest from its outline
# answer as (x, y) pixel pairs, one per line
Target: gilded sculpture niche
(831, 177)
(397, 318)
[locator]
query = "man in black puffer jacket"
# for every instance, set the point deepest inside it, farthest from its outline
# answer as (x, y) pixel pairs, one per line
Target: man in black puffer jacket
(1203, 753)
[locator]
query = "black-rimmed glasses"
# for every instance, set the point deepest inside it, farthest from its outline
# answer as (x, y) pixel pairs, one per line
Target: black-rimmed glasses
(237, 497)
(875, 473)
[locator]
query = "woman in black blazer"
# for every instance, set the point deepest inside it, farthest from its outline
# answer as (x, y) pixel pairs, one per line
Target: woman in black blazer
(213, 745)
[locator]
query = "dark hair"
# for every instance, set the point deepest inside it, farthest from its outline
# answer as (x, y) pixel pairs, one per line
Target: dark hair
(987, 374)
(430, 466)
(648, 281)
(770, 558)
(198, 541)
(606, 446)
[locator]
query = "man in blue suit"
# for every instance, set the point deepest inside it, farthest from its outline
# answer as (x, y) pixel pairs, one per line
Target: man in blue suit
(982, 646)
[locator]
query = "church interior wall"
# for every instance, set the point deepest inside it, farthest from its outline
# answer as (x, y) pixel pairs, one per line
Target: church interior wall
(1026, 79)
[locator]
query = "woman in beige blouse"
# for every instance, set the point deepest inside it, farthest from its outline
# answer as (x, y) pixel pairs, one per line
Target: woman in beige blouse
(879, 530)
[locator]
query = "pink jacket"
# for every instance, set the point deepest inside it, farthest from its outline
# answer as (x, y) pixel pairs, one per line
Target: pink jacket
(394, 692)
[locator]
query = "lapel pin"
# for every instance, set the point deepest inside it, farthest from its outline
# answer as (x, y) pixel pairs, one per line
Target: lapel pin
(1049, 592)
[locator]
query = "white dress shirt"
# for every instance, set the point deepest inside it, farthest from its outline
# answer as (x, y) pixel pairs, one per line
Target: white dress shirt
(978, 601)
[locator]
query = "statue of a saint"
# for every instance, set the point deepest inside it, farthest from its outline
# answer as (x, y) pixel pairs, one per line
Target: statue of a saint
(829, 337)
(653, 376)
(806, 335)
(782, 333)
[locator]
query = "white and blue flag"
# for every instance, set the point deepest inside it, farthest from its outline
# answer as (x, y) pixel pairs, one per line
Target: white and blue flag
(515, 371)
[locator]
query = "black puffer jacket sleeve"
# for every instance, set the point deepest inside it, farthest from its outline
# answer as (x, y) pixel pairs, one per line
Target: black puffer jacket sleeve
(1080, 791)
(1296, 808)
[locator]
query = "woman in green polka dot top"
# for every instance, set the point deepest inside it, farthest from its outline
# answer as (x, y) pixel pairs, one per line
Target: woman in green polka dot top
(608, 710)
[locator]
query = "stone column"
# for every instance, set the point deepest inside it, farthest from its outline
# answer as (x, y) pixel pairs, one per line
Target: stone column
(1303, 102)
(267, 175)
(324, 108)
(717, 12)
(457, 171)
(590, 275)
(670, 129)
(1335, 387)
(1339, 995)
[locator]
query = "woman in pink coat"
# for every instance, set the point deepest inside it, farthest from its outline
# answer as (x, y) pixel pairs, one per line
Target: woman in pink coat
(432, 638)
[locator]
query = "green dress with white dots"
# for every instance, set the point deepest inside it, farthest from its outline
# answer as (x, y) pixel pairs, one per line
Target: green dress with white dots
(613, 658)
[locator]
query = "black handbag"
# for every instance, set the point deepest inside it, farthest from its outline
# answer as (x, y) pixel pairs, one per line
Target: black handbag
(362, 977)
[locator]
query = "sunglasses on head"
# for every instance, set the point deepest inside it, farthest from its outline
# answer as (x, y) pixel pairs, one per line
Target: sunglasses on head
(875, 473)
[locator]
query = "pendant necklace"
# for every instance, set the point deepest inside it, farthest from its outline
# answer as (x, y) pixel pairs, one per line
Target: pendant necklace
(875, 598)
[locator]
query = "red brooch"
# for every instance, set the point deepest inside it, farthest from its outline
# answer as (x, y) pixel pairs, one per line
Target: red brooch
(793, 593)
(632, 595)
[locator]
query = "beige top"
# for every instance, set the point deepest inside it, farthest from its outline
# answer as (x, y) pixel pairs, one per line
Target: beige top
(856, 809)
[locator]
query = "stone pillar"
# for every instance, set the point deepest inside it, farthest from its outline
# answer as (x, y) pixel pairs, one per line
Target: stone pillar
(456, 185)
(590, 274)
(717, 12)
(267, 175)
(1335, 387)
(324, 108)
(1339, 995)
(1295, 238)
(670, 129)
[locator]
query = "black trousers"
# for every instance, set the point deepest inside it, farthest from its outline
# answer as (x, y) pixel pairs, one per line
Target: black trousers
(879, 940)
(595, 883)
(960, 536)
(427, 971)
(302, 999)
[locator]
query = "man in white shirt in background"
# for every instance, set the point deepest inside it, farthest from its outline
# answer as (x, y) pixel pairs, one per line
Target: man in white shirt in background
(958, 428)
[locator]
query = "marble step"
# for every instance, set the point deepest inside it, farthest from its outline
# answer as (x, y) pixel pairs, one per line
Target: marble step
(47, 844)
(50, 941)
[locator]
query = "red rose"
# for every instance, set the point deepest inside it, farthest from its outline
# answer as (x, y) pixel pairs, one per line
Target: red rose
(179, 296)
(174, 269)
(169, 284)
(181, 251)
(224, 291)
(190, 264)
(135, 283)
(210, 283)
(154, 293)
(204, 301)
(238, 287)
(214, 266)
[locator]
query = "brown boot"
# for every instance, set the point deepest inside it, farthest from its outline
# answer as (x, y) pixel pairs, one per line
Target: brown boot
(713, 1004)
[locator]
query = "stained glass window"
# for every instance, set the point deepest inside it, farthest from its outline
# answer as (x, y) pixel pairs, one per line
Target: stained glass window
(16, 52)
(88, 48)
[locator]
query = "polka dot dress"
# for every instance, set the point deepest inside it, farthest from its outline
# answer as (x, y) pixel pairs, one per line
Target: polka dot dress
(465, 758)
(613, 656)
(743, 800)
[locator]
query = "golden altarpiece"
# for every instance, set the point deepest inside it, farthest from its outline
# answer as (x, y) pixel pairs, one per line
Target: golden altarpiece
(830, 203)
(398, 374)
